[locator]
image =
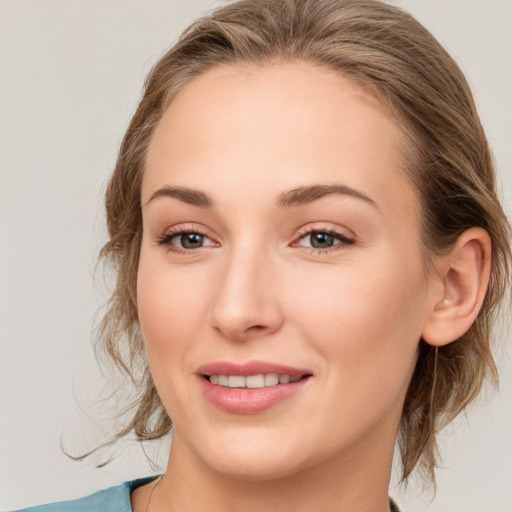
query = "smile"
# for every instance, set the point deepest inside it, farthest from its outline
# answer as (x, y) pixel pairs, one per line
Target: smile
(253, 381)
(251, 387)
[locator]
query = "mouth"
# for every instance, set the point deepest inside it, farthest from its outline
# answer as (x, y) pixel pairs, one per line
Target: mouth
(260, 380)
(252, 387)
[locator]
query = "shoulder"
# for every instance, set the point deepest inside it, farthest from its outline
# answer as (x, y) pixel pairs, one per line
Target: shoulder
(113, 499)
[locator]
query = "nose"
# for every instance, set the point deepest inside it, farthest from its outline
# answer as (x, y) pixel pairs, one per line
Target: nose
(246, 304)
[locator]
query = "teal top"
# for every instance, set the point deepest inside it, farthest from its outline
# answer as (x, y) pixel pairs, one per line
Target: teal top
(113, 499)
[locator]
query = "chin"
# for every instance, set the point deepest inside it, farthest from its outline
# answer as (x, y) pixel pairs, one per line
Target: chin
(252, 458)
(255, 471)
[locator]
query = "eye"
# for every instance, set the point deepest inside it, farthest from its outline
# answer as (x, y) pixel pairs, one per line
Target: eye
(323, 239)
(188, 240)
(185, 240)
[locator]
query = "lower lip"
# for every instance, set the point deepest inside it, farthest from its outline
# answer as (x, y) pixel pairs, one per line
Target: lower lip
(249, 400)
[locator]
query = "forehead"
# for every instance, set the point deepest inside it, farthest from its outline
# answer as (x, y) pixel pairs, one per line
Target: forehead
(278, 126)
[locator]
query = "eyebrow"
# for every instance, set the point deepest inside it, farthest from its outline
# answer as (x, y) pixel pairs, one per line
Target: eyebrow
(186, 195)
(295, 197)
(305, 195)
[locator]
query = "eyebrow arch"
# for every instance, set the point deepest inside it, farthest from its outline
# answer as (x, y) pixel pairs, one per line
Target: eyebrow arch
(186, 195)
(295, 197)
(305, 195)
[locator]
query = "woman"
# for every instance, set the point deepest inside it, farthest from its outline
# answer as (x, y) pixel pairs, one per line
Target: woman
(310, 252)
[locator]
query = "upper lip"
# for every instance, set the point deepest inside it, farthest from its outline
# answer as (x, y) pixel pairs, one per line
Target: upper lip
(250, 368)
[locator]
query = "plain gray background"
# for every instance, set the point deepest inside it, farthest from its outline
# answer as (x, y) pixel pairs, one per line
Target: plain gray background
(71, 73)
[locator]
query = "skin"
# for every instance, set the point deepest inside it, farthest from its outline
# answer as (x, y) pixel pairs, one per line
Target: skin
(352, 314)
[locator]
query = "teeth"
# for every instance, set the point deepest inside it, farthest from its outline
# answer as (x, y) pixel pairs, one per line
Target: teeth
(223, 380)
(236, 381)
(253, 381)
(271, 379)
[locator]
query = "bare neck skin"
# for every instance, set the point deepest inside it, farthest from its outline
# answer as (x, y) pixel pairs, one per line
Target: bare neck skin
(358, 482)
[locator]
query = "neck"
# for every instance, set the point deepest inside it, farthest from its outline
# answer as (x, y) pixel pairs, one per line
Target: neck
(353, 481)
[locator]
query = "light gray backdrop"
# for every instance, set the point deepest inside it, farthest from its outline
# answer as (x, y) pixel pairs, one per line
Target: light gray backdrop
(70, 75)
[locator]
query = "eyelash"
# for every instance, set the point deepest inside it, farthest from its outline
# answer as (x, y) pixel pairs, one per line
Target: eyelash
(165, 240)
(305, 232)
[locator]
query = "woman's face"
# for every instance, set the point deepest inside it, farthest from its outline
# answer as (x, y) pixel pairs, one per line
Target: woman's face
(280, 238)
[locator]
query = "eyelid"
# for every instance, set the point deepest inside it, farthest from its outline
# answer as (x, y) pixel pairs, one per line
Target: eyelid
(174, 231)
(338, 233)
(345, 239)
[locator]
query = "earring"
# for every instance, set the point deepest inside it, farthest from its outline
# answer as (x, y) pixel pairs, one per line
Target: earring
(433, 388)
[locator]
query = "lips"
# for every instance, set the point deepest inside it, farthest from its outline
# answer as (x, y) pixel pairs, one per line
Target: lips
(251, 387)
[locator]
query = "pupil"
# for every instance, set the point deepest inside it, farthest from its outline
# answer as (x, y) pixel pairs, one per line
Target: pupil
(191, 240)
(321, 240)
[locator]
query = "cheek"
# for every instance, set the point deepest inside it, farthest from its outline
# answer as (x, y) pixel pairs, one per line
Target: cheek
(366, 324)
(170, 305)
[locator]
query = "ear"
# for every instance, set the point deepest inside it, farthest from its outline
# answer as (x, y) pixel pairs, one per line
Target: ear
(464, 273)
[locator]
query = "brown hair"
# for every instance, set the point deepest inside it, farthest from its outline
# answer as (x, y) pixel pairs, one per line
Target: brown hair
(389, 53)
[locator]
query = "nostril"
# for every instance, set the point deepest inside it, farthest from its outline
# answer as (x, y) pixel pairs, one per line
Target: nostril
(255, 328)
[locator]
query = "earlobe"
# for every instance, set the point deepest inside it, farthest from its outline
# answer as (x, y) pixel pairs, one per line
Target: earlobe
(464, 272)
